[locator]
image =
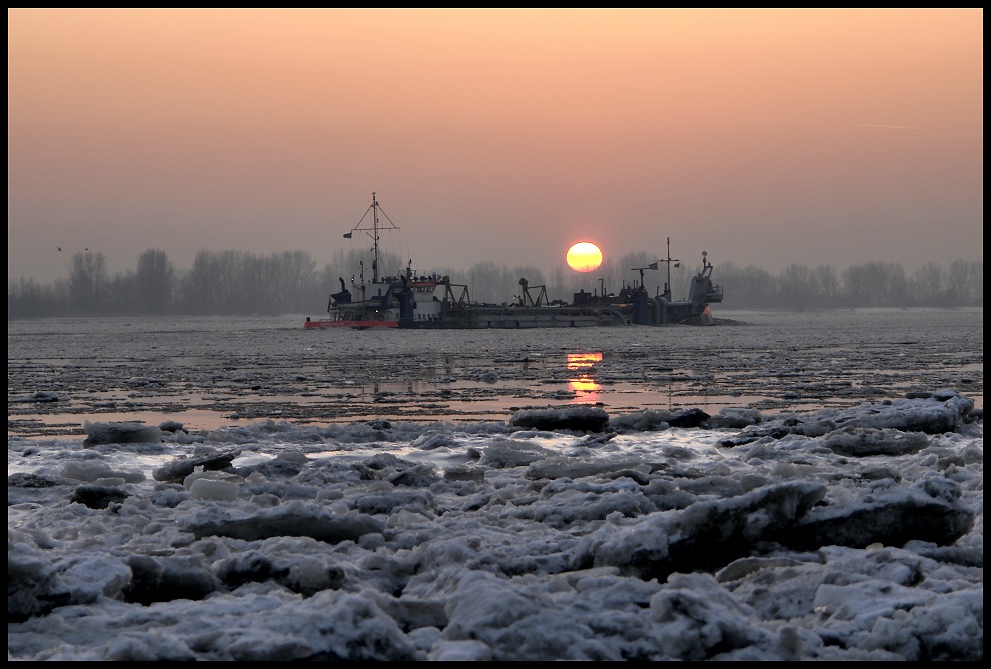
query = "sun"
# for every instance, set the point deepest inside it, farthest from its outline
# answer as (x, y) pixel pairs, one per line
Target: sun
(584, 257)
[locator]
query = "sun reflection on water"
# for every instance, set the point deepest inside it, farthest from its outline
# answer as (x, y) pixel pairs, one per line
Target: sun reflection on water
(583, 382)
(583, 360)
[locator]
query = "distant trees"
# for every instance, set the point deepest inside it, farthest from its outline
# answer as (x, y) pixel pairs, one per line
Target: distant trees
(200, 289)
(795, 286)
(748, 287)
(224, 282)
(872, 284)
(929, 282)
(825, 286)
(965, 282)
(297, 271)
(875, 284)
(236, 282)
(155, 282)
(88, 283)
(27, 298)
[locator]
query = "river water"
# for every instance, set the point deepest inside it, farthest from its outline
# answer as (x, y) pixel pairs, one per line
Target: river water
(209, 372)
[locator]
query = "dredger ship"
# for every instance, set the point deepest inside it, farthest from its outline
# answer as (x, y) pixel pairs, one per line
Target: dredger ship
(433, 302)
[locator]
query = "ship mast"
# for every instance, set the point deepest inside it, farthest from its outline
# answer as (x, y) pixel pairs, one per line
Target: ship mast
(374, 208)
(668, 260)
(375, 236)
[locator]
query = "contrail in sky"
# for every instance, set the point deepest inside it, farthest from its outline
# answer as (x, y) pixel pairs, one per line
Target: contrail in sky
(879, 125)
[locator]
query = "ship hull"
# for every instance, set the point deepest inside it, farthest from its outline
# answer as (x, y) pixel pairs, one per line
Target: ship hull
(513, 317)
(355, 325)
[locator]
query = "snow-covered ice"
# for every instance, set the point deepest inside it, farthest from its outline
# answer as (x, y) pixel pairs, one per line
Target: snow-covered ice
(485, 541)
(851, 532)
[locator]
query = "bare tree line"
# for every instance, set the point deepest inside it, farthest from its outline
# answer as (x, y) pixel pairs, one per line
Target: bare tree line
(874, 284)
(237, 282)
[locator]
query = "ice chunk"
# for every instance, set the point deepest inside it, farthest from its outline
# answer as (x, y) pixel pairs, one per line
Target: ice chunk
(120, 433)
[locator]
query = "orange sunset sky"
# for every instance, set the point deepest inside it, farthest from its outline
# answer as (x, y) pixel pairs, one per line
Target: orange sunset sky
(766, 137)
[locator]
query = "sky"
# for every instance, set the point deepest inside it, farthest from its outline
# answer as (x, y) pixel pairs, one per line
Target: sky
(764, 137)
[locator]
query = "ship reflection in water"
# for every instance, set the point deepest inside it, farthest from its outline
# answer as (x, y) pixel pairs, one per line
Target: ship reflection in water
(582, 368)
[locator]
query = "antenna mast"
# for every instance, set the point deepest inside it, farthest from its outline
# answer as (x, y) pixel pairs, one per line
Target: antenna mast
(669, 260)
(374, 234)
(375, 237)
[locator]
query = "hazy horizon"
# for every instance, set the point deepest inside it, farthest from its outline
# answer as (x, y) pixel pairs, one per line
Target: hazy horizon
(764, 137)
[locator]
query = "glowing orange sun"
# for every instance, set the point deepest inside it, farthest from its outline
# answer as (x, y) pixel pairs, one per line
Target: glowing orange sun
(584, 257)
